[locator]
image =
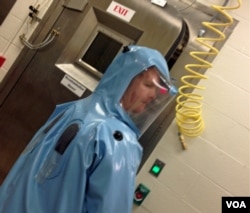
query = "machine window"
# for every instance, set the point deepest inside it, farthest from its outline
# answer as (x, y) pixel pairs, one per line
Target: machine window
(101, 52)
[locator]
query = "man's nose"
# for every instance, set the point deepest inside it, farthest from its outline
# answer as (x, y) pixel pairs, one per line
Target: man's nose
(153, 94)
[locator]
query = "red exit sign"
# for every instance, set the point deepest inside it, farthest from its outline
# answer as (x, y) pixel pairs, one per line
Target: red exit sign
(120, 11)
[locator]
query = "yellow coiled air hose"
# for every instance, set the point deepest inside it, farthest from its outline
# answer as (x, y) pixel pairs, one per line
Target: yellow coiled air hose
(189, 103)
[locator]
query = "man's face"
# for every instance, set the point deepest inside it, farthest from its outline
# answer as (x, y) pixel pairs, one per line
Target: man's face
(141, 91)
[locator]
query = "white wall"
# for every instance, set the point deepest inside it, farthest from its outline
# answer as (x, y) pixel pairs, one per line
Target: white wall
(216, 163)
(16, 23)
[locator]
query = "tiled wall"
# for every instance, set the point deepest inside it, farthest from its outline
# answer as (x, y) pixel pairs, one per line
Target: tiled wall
(216, 163)
(16, 23)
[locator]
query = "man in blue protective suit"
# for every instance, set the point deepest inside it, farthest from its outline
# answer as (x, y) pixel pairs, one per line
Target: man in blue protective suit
(85, 157)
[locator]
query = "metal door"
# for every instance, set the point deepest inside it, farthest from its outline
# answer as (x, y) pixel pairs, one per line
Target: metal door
(32, 88)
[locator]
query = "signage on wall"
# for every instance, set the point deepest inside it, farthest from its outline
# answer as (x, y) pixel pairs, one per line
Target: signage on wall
(121, 11)
(73, 85)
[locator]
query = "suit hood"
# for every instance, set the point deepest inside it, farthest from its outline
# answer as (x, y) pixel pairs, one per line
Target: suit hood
(124, 68)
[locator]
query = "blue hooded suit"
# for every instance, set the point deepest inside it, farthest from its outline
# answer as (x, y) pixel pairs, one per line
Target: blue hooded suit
(85, 157)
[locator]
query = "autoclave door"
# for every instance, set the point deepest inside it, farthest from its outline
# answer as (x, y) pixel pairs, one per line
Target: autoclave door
(33, 87)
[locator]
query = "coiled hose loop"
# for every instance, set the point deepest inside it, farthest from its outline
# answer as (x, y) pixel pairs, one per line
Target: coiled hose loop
(189, 101)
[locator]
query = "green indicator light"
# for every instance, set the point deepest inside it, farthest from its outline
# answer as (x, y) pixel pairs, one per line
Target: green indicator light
(156, 169)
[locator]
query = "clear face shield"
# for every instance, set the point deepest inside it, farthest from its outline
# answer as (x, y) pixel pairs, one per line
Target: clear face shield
(146, 96)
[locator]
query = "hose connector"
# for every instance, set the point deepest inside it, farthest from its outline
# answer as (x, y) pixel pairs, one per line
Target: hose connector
(182, 140)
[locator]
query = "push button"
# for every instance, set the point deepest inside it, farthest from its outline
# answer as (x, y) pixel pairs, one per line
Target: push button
(140, 194)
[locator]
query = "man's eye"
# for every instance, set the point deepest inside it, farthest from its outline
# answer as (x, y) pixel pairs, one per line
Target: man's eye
(150, 85)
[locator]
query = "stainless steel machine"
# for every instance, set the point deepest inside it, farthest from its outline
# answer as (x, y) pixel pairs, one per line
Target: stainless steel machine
(90, 34)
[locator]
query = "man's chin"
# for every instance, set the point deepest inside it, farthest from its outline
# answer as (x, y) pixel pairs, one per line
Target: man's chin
(139, 109)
